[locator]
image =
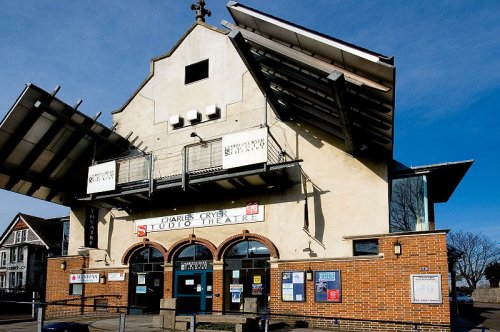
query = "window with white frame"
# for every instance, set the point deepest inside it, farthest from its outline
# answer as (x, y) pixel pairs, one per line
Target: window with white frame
(20, 254)
(16, 254)
(19, 279)
(2, 281)
(13, 255)
(12, 280)
(3, 259)
(21, 236)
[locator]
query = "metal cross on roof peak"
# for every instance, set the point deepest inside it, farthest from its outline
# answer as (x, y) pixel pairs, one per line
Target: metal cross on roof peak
(200, 10)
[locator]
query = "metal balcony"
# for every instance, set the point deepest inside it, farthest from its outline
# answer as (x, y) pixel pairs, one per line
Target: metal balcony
(195, 168)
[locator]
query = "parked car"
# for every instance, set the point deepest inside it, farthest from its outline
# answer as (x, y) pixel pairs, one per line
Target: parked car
(464, 299)
(66, 327)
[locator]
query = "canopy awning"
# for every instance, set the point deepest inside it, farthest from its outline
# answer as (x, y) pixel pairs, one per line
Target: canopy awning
(46, 147)
(442, 179)
(343, 89)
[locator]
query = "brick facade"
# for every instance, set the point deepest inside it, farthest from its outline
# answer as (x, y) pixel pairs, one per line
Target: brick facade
(376, 292)
(64, 304)
(376, 289)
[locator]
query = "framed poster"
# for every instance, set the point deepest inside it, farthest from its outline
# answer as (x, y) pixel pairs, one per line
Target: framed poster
(327, 286)
(293, 286)
(426, 288)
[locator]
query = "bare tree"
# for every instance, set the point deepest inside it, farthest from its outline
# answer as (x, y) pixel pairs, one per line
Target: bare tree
(478, 251)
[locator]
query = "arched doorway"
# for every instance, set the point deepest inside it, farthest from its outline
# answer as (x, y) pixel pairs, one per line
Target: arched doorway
(146, 278)
(246, 269)
(193, 277)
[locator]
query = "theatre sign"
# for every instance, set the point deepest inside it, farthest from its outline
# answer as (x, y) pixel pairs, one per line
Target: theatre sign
(252, 212)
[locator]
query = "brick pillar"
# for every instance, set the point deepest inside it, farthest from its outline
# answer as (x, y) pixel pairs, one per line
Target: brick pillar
(218, 286)
(168, 281)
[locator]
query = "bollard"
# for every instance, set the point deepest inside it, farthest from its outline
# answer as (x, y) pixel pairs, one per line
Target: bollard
(192, 323)
(266, 326)
(122, 323)
(33, 305)
(39, 321)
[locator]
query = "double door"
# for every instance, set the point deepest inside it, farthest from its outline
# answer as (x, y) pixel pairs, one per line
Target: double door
(193, 290)
(146, 290)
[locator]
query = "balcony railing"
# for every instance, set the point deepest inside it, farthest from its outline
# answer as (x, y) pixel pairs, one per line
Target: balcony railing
(194, 160)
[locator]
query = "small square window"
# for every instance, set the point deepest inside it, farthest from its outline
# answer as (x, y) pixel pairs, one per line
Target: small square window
(196, 72)
(75, 289)
(365, 247)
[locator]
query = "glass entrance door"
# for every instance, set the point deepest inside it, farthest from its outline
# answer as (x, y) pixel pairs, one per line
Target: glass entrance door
(193, 290)
(146, 290)
(193, 279)
(146, 280)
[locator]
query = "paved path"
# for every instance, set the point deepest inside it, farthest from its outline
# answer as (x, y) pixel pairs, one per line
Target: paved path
(483, 314)
(133, 323)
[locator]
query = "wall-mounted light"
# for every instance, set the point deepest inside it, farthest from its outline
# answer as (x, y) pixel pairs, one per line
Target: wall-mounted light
(309, 275)
(397, 248)
(63, 265)
(102, 279)
(194, 134)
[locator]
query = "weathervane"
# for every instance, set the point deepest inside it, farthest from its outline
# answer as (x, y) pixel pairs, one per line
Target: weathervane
(200, 10)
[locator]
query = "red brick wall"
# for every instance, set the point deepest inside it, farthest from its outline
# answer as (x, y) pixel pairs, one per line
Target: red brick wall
(58, 288)
(218, 289)
(375, 289)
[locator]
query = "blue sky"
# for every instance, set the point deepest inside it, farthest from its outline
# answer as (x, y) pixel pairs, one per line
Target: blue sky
(447, 55)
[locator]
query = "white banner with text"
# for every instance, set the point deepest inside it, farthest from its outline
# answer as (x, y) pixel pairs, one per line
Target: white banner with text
(253, 212)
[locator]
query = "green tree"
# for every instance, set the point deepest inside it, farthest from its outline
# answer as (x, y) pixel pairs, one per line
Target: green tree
(492, 273)
(478, 251)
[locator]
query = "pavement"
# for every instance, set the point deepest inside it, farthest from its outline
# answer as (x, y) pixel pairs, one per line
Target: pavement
(482, 317)
(101, 324)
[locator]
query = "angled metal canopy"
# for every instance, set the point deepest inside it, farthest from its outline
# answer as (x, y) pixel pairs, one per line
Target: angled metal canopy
(442, 179)
(341, 88)
(46, 147)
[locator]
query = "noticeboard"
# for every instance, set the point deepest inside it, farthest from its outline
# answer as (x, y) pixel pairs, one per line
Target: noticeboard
(426, 289)
(293, 286)
(327, 286)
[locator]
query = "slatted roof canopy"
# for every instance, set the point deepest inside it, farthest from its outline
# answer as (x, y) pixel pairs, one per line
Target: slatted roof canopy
(46, 147)
(343, 89)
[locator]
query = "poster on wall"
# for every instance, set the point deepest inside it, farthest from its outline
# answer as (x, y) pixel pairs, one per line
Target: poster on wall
(116, 276)
(257, 289)
(141, 289)
(236, 290)
(426, 288)
(141, 278)
(327, 286)
(293, 286)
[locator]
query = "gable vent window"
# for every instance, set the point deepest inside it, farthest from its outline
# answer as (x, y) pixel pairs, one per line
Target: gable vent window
(20, 236)
(196, 72)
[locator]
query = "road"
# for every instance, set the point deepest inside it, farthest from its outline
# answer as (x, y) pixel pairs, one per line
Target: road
(485, 314)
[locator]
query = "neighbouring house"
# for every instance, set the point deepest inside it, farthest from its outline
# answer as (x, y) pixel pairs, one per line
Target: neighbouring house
(252, 169)
(25, 246)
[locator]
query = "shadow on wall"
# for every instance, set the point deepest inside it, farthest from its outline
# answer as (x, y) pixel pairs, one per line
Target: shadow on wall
(319, 218)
